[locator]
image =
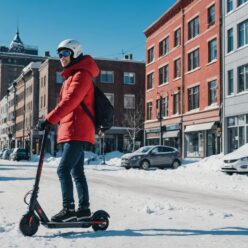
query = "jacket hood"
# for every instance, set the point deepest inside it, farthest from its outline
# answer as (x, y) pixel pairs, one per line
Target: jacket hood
(87, 63)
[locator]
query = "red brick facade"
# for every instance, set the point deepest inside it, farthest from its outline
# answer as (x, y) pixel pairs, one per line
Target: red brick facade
(199, 19)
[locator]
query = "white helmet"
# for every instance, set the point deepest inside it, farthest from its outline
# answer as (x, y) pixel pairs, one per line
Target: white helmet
(72, 45)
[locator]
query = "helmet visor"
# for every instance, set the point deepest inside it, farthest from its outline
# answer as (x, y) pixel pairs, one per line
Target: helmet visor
(64, 53)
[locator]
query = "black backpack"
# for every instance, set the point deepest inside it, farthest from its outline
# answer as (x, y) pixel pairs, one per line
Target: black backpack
(104, 111)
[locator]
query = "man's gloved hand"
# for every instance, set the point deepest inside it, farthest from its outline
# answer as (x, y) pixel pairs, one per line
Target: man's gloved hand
(44, 125)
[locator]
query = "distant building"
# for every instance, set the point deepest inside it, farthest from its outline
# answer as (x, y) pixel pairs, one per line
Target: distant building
(235, 74)
(183, 83)
(13, 59)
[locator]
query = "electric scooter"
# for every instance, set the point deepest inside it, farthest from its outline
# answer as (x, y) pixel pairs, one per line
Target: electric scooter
(35, 216)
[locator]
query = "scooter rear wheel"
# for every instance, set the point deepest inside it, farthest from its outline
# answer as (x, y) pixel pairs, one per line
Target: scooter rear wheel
(29, 224)
(100, 222)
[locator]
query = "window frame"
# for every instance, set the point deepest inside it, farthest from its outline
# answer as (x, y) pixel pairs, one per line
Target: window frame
(164, 74)
(107, 74)
(193, 60)
(164, 46)
(193, 28)
(212, 92)
(128, 76)
(212, 50)
(210, 21)
(194, 98)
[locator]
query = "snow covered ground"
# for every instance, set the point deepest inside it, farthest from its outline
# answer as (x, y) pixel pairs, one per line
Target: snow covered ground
(193, 206)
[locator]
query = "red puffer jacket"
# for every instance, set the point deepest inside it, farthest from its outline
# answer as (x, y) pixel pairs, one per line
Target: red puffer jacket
(75, 124)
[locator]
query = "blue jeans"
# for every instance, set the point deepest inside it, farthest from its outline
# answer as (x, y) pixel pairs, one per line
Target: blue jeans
(72, 165)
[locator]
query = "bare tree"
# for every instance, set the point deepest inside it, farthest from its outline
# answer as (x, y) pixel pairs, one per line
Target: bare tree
(133, 121)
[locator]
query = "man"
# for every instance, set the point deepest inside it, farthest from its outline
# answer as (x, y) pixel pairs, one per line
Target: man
(75, 127)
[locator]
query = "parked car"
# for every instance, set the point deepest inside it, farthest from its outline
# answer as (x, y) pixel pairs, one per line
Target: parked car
(7, 153)
(19, 154)
(1, 152)
(236, 161)
(152, 156)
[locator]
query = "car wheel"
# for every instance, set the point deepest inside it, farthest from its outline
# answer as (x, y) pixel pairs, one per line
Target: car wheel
(127, 167)
(145, 165)
(175, 164)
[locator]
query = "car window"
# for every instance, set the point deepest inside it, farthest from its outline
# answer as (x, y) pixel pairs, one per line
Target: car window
(168, 149)
(143, 149)
(156, 150)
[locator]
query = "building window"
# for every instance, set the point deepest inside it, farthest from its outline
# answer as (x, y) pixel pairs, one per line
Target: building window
(193, 97)
(230, 82)
(150, 55)
(164, 107)
(111, 97)
(212, 95)
(164, 74)
(212, 50)
(193, 60)
(243, 33)
(59, 78)
(177, 37)
(129, 78)
(44, 81)
(129, 101)
(177, 68)
(176, 103)
(229, 5)
(211, 15)
(107, 77)
(193, 28)
(150, 81)
(164, 47)
(149, 111)
(237, 131)
(229, 40)
(242, 78)
(240, 2)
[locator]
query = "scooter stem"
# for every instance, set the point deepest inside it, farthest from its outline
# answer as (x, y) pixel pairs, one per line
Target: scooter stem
(34, 195)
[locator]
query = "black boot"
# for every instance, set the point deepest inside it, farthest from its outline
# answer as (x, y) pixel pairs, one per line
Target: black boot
(83, 213)
(65, 215)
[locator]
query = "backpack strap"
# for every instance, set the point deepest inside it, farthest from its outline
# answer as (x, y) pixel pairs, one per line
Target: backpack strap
(85, 108)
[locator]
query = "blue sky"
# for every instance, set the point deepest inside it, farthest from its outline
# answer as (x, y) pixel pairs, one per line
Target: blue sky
(105, 28)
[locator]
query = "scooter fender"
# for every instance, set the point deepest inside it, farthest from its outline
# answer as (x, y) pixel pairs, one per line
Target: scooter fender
(100, 212)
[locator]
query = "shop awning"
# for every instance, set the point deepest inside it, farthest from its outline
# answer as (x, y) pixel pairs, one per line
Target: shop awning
(152, 136)
(199, 127)
(171, 134)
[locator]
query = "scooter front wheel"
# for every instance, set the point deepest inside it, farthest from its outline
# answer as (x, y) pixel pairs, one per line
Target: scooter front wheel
(29, 224)
(100, 221)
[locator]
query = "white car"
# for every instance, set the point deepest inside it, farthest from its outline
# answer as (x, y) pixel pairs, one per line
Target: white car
(236, 161)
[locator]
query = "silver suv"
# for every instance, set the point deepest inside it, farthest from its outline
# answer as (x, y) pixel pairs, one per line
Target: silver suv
(152, 156)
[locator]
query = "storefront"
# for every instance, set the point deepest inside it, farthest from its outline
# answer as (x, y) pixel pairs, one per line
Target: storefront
(152, 136)
(237, 131)
(170, 136)
(200, 140)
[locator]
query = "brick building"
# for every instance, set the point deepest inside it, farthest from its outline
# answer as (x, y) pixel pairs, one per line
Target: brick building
(13, 59)
(183, 83)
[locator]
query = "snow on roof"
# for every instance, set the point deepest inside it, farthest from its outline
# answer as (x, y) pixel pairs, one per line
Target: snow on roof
(30, 66)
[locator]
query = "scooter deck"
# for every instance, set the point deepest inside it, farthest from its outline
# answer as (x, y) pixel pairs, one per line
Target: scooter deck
(72, 224)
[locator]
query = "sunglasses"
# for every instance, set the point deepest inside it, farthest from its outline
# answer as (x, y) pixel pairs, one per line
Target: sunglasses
(64, 53)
